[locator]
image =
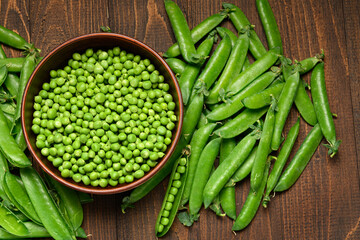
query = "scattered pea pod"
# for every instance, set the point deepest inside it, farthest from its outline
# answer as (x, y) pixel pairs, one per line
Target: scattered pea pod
(251, 73)
(198, 32)
(13, 64)
(228, 167)
(251, 205)
(202, 174)
(309, 63)
(177, 65)
(197, 144)
(222, 31)
(269, 24)
(304, 105)
(239, 20)
(172, 197)
(182, 32)
(281, 161)
(263, 98)
(13, 39)
(192, 116)
(322, 108)
(44, 203)
(300, 160)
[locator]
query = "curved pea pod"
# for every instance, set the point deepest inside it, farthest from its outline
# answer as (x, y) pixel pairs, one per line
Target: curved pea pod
(251, 73)
(2, 53)
(16, 192)
(141, 191)
(182, 32)
(244, 170)
(285, 102)
(13, 65)
(240, 123)
(11, 223)
(322, 108)
(198, 32)
(191, 72)
(263, 150)
(222, 31)
(8, 146)
(13, 39)
(71, 202)
(26, 71)
(263, 98)
(234, 103)
(269, 24)
(304, 105)
(232, 68)
(202, 174)
(197, 144)
(192, 116)
(300, 160)
(172, 197)
(214, 66)
(239, 20)
(3, 74)
(43, 203)
(228, 167)
(251, 205)
(227, 194)
(12, 84)
(176, 65)
(281, 161)
(308, 64)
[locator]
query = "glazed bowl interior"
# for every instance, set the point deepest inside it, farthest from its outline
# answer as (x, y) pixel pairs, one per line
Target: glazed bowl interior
(58, 59)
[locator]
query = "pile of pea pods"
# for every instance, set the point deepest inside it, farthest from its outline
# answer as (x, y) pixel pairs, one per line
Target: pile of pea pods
(235, 116)
(31, 206)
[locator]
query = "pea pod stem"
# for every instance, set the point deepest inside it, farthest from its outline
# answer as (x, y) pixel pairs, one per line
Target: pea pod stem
(239, 20)
(281, 161)
(322, 108)
(300, 160)
(228, 167)
(198, 32)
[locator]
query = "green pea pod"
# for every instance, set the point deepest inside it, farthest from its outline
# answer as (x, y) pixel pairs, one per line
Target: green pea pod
(214, 66)
(251, 205)
(304, 105)
(246, 64)
(20, 140)
(285, 102)
(26, 71)
(232, 68)
(202, 174)
(3, 74)
(240, 123)
(8, 146)
(322, 108)
(263, 98)
(3, 169)
(244, 170)
(254, 71)
(309, 63)
(8, 107)
(12, 84)
(234, 103)
(240, 21)
(202, 121)
(177, 65)
(198, 32)
(197, 144)
(281, 161)
(71, 202)
(13, 39)
(182, 33)
(141, 191)
(190, 73)
(16, 192)
(11, 223)
(172, 197)
(227, 194)
(13, 64)
(269, 24)
(263, 149)
(2, 53)
(228, 167)
(192, 116)
(300, 160)
(44, 204)
(222, 31)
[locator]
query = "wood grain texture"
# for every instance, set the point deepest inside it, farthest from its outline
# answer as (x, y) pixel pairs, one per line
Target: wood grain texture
(323, 204)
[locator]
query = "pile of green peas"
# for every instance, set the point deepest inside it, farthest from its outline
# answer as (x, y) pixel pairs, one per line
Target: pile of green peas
(105, 119)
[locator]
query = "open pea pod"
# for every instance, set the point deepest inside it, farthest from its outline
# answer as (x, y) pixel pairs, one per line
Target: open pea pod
(172, 198)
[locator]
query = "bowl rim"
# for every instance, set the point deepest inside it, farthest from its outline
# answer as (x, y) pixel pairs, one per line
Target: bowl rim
(119, 188)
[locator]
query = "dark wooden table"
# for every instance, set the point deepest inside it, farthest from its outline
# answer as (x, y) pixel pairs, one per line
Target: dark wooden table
(323, 204)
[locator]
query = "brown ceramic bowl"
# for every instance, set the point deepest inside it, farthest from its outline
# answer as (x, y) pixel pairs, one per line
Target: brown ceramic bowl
(58, 58)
